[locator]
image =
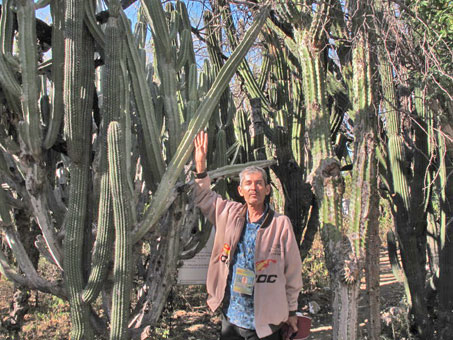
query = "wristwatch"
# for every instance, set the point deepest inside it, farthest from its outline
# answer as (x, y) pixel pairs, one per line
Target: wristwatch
(201, 174)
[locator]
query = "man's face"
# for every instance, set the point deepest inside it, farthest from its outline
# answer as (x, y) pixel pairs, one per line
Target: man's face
(254, 189)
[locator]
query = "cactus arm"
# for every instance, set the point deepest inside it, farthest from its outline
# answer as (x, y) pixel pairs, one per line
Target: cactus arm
(200, 119)
(155, 16)
(111, 87)
(92, 25)
(122, 220)
(166, 65)
(364, 172)
(252, 85)
(395, 142)
(41, 212)
(104, 240)
(77, 68)
(56, 117)
(6, 28)
(264, 74)
(29, 59)
(145, 107)
(7, 79)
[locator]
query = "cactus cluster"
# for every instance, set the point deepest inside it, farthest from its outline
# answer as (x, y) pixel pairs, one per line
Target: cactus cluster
(94, 148)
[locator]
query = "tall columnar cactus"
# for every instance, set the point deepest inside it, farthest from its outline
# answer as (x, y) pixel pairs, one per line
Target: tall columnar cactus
(78, 76)
(407, 196)
(344, 242)
(112, 106)
(364, 204)
(122, 220)
(151, 143)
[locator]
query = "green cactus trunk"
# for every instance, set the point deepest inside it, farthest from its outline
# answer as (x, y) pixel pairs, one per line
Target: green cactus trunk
(122, 272)
(56, 117)
(78, 74)
(409, 217)
(111, 88)
(30, 93)
(364, 205)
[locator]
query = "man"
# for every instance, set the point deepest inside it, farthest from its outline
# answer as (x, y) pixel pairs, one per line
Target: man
(254, 273)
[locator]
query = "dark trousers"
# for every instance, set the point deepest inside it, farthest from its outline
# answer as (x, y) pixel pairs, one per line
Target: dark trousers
(233, 332)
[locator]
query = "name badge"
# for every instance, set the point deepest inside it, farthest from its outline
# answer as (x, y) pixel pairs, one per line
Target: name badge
(244, 281)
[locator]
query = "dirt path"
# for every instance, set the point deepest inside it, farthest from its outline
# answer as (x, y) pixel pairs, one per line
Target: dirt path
(391, 293)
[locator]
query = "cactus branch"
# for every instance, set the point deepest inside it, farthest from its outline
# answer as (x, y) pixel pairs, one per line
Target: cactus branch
(200, 119)
(122, 220)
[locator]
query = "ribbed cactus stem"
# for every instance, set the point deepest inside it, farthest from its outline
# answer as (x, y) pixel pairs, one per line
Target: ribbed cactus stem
(29, 66)
(78, 86)
(111, 88)
(8, 80)
(314, 94)
(144, 104)
(364, 172)
(76, 217)
(298, 125)
(324, 169)
(395, 143)
(56, 117)
(166, 65)
(241, 131)
(92, 24)
(250, 82)
(6, 27)
(122, 221)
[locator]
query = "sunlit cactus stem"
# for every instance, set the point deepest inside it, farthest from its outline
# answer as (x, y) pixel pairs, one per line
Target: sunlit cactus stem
(111, 89)
(78, 74)
(122, 220)
(56, 118)
(32, 134)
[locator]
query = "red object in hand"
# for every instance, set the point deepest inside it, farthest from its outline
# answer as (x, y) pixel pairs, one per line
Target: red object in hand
(303, 331)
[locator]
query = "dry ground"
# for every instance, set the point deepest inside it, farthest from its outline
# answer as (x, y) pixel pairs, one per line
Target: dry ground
(186, 316)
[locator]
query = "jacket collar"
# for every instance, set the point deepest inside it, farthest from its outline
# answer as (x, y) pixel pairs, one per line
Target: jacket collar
(267, 219)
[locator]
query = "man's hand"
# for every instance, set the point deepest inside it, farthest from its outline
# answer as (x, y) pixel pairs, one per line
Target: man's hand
(201, 148)
(292, 323)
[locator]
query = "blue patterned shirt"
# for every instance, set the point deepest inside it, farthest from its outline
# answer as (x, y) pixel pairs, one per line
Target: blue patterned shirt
(239, 307)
